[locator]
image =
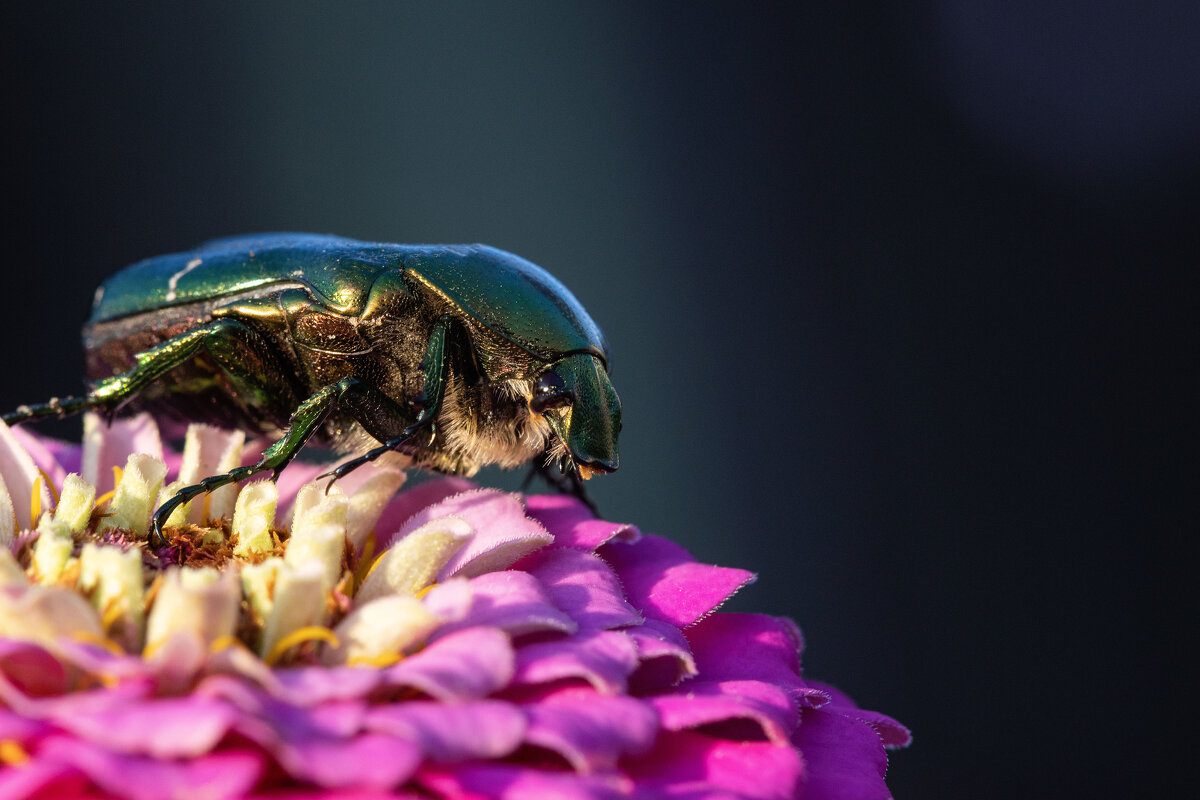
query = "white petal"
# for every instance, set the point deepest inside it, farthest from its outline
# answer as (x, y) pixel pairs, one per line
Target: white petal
(413, 562)
(392, 624)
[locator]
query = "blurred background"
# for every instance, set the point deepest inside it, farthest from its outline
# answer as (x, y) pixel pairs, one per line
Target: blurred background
(900, 296)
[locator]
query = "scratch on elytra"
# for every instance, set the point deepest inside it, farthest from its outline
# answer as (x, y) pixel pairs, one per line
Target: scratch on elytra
(174, 282)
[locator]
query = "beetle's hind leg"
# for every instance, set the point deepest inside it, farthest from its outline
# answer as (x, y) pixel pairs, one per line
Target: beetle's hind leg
(57, 407)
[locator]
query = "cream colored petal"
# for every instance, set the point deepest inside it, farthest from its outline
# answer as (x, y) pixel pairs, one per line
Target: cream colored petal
(382, 627)
(253, 516)
(323, 545)
(210, 451)
(76, 503)
(202, 601)
(413, 562)
(44, 613)
(11, 573)
(112, 578)
(18, 474)
(368, 500)
(136, 495)
(299, 602)
(52, 550)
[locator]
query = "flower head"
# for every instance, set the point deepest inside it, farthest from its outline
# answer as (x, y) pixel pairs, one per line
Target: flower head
(445, 641)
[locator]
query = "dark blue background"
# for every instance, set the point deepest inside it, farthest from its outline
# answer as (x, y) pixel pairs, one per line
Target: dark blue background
(900, 297)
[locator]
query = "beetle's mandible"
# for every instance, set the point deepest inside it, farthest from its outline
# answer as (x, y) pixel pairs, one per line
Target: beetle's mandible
(457, 356)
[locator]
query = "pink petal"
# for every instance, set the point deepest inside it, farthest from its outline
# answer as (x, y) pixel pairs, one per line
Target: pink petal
(38, 779)
(450, 732)
(503, 534)
(518, 782)
(369, 760)
(514, 602)
(466, 665)
(591, 731)
(227, 774)
(408, 502)
(603, 658)
(110, 445)
(573, 524)
(688, 764)
(845, 758)
(18, 473)
(93, 701)
(55, 458)
(161, 728)
(663, 580)
(705, 703)
(307, 686)
(583, 586)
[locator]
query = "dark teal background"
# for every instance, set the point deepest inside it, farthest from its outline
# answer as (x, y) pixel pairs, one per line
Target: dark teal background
(900, 298)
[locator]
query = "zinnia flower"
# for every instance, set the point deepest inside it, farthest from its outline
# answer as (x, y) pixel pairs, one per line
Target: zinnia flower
(445, 641)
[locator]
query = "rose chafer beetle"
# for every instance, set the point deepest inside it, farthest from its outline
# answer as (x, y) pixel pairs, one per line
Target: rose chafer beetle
(457, 356)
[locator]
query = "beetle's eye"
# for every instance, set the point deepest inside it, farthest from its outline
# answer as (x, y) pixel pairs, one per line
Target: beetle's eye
(549, 391)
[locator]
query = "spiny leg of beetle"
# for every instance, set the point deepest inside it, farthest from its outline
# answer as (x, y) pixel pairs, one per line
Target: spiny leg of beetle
(305, 421)
(433, 365)
(58, 407)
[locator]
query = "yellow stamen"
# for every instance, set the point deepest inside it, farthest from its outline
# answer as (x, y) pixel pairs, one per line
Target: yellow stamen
(12, 753)
(365, 561)
(102, 641)
(223, 643)
(117, 473)
(426, 590)
(112, 613)
(298, 636)
(104, 498)
(49, 485)
(381, 660)
(151, 649)
(35, 502)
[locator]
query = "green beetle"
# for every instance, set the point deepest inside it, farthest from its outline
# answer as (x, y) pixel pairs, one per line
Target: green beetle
(457, 356)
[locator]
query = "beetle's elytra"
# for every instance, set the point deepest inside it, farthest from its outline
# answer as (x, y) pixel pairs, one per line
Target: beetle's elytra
(456, 355)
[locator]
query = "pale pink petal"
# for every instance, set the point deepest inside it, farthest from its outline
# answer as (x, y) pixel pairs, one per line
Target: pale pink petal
(106, 446)
(605, 659)
(686, 764)
(408, 503)
(452, 732)
(183, 727)
(663, 580)
(466, 665)
(55, 458)
(573, 524)
(583, 586)
(17, 475)
(502, 532)
(514, 602)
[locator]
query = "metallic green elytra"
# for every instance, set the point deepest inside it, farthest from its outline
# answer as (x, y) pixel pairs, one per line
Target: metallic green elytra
(457, 356)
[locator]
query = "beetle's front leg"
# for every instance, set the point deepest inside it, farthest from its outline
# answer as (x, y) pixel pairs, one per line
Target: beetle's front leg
(305, 421)
(433, 365)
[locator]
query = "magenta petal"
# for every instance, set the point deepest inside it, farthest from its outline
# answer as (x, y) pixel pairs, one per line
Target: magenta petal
(688, 764)
(602, 658)
(844, 757)
(31, 668)
(517, 782)
(162, 728)
(663, 580)
(369, 760)
(42, 779)
(583, 586)
(89, 702)
(890, 731)
(705, 703)
(466, 665)
(748, 647)
(450, 732)
(573, 524)
(514, 602)
(227, 774)
(664, 653)
(591, 731)
(311, 685)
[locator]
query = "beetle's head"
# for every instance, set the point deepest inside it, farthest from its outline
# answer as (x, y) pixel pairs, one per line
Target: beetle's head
(581, 406)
